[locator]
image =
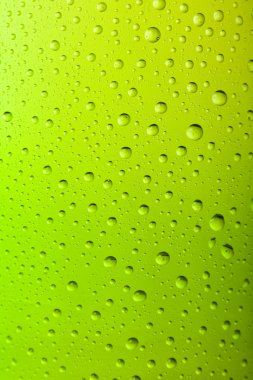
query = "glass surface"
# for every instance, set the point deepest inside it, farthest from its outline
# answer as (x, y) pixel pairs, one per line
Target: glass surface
(126, 196)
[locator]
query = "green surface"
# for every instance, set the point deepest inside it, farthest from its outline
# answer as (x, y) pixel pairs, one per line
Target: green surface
(126, 190)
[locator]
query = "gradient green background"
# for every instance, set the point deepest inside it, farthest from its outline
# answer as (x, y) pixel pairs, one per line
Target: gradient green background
(64, 102)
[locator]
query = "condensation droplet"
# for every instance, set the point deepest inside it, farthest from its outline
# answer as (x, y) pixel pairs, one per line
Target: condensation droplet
(219, 98)
(152, 34)
(217, 222)
(194, 132)
(162, 258)
(181, 282)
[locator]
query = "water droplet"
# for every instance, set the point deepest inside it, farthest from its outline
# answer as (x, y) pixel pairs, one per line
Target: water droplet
(194, 132)
(171, 363)
(7, 116)
(125, 152)
(217, 222)
(219, 98)
(118, 64)
(199, 19)
(110, 261)
(250, 65)
(162, 258)
(89, 177)
(170, 340)
(101, 7)
(72, 285)
(153, 130)
(57, 313)
(123, 119)
(218, 15)
(139, 296)
(111, 221)
(192, 87)
(184, 8)
(197, 205)
(63, 184)
(181, 282)
(132, 343)
(47, 170)
(181, 151)
(54, 45)
(107, 184)
(227, 251)
(132, 92)
(143, 210)
(160, 107)
(95, 315)
(159, 4)
(152, 34)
